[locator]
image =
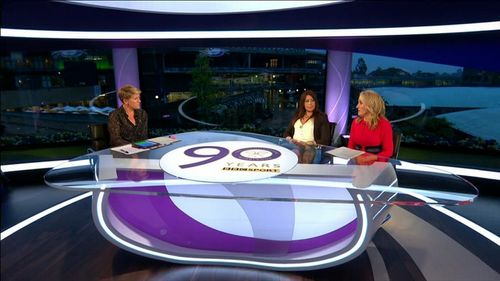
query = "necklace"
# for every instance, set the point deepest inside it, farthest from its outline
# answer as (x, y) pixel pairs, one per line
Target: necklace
(306, 117)
(304, 120)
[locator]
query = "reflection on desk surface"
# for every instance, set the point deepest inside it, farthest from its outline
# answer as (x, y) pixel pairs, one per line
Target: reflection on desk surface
(104, 170)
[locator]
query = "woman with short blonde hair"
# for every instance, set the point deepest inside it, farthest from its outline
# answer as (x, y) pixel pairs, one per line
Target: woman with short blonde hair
(127, 91)
(129, 123)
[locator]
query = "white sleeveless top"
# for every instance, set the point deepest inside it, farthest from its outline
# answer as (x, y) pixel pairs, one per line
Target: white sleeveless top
(304, 132)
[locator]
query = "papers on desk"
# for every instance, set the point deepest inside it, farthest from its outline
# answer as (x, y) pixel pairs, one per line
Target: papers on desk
(164, 140)
(128, 149)
(345, 152)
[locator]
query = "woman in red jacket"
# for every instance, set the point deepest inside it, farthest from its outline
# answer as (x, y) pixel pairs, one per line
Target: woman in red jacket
(370, 130)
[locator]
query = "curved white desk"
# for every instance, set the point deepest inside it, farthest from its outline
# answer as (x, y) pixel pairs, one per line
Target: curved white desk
(236, 198)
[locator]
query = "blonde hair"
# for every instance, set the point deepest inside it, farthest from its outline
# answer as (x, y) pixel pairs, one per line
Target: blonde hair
(375, 107)
(127, 91)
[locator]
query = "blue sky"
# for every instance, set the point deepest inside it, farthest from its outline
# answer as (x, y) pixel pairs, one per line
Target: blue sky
(410, 66)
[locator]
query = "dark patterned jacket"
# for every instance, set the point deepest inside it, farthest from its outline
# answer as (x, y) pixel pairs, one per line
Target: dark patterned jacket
(122, 131)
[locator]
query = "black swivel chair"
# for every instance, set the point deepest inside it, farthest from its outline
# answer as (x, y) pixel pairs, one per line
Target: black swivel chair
(396, 140)
(333, 125)
(99, 137)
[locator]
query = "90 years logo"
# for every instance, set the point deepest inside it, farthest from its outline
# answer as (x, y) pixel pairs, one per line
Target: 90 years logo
(228, 161)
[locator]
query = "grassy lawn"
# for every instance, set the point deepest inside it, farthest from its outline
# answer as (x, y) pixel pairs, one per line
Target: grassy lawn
(446, 157)
(42, 154)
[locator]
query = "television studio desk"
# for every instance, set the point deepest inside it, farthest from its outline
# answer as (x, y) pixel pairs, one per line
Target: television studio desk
(234, 198)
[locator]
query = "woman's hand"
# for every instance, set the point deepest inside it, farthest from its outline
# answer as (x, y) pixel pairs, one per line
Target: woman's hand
(297, 142)
(366, 159)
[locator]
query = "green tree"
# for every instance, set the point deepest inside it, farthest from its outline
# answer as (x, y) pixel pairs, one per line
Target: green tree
(361, 67)
(202, 84)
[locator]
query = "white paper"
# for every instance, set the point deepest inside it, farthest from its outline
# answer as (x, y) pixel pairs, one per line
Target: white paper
(345, 152)
(164, 140)
(128, 149)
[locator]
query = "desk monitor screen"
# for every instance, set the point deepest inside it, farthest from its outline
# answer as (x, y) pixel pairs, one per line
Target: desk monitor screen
(145, 144)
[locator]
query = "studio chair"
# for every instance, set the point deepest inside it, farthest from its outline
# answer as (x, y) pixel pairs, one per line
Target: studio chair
(344, 140)
(333, 125)
(396, 140)
(99, 137)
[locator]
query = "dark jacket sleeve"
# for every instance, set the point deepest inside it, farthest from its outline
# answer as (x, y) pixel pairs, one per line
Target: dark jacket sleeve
(114, 130)
(143, 134)
(321, 129)
(290, 130)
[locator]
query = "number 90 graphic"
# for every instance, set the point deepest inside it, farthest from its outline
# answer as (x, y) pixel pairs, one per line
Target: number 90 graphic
(247, 154)
(228, 161)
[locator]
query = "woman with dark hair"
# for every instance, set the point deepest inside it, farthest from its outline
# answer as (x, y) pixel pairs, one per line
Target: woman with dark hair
(309, 125)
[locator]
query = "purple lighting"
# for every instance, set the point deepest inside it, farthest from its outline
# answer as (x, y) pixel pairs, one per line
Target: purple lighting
(337, 89)
(184, 231)
(126, 68)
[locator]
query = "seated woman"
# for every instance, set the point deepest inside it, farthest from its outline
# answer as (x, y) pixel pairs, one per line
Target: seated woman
(370, 130)
(309, 126)
(129, 123)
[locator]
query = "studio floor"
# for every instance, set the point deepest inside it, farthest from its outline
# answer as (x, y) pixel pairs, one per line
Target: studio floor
(417, 243)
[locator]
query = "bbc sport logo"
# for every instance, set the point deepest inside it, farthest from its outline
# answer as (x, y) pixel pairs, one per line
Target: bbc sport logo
(228, 161)
(262, 170)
